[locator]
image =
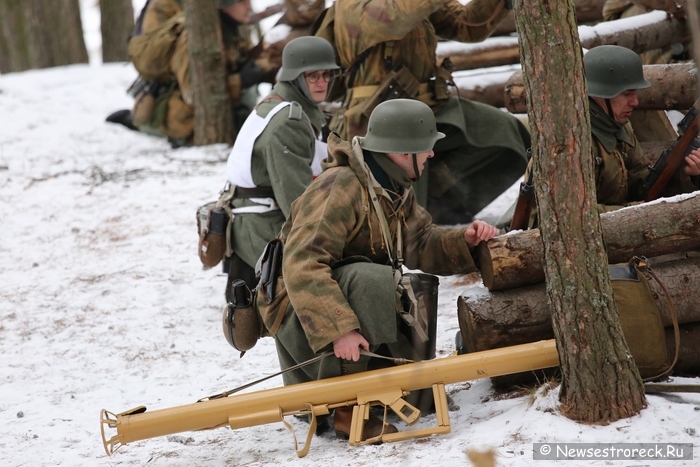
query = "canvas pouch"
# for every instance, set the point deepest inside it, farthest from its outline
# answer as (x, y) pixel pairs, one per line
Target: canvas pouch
(640, 318)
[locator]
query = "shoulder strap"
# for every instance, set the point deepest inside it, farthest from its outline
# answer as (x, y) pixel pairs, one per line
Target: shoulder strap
(295, 111)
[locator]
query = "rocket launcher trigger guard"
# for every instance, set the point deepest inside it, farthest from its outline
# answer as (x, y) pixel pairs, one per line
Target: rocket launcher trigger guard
(393, 398)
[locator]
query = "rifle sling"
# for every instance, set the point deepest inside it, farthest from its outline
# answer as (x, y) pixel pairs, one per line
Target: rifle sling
(397, 361)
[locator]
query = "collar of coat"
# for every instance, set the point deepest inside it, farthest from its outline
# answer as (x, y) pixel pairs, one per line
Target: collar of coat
(605, 128)
(289, 93)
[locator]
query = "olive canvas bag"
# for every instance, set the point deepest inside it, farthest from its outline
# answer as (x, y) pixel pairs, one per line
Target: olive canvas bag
(640, 318)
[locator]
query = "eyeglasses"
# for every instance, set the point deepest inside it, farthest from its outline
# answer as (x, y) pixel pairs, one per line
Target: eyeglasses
(313, 76)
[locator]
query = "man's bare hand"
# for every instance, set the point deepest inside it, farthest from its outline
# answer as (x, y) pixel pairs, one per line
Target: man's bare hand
(348, 346)
(692, 163)
(479, 231)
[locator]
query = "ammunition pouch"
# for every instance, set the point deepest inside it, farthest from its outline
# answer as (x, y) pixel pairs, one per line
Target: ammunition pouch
(443, 77)
(214, 222)
(398, 84)
(640, 319)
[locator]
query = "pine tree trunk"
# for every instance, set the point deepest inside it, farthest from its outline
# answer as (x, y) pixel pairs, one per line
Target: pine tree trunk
(117, 22)
(213, 120)
(600, 381)
(587, 11)
(40, 34)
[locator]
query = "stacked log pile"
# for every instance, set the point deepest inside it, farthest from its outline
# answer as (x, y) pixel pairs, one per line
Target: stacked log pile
(516, 310)
(498, 58)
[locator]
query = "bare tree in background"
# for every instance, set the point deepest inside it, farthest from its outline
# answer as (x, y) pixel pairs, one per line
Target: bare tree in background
(213, 120)
(117, 22)
(600, 380)
(40, 34)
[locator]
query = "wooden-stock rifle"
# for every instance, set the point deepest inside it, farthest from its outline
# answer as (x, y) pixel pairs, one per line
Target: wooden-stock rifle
(524, 205)
(385, 387)
(672, 158)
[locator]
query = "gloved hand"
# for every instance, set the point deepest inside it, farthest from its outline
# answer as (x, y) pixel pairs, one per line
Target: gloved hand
(251, 74)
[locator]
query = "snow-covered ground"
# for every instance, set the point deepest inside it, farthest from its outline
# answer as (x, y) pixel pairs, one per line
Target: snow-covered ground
(104, 304)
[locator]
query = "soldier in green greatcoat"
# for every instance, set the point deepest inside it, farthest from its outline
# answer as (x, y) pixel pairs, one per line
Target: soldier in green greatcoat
(387, 50)
(277, 153)
(345, 244)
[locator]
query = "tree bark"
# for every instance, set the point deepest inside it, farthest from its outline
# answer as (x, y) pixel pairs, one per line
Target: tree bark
(653, 30)
(40, 34)
(600, 382)
(213, 121)
(673, 87)
(522, 315)
(587, 11)
(689, 353)
(694, 21)
(650, 229)
(117, 22)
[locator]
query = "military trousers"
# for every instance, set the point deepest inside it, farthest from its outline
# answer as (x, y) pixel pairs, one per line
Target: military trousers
(371, 293)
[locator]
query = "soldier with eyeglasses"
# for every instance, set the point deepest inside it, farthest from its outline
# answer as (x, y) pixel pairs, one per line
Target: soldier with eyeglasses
(278, 152)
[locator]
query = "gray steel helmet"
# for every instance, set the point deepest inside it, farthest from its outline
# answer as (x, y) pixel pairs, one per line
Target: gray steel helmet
(306, 53)
(612, 70)
(401, 126)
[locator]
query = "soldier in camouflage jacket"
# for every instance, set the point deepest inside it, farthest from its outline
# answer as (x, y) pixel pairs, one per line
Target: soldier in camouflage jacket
(485, 149)
(160, 55)
(340, 255)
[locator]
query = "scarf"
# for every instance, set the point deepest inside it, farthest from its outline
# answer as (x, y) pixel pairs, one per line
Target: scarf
(605, 128)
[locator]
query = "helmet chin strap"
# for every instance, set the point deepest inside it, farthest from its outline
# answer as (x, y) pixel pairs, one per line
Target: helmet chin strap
(415, 166)
(610, 110)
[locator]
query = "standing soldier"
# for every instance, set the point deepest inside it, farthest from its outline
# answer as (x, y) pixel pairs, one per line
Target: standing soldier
(345, 244)
(164, 102)
(387, 50)
(277, 153)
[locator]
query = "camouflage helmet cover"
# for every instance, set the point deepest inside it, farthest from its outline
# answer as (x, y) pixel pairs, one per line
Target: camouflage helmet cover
(401, 126)
(612, 70)
(306, 53)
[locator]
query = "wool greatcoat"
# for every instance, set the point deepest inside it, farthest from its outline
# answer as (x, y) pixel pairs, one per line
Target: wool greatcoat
(484, 151)
(332, 223)
(281, 159)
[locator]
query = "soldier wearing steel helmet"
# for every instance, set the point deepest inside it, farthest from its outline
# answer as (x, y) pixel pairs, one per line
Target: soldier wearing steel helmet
(164, 104)
(613, 76)
(347, 237)
(387, 50)
(277, 152)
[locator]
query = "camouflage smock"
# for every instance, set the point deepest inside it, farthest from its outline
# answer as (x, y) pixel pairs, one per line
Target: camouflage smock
(335, 219)
(281, 159)
(620, 168)
(413, 28)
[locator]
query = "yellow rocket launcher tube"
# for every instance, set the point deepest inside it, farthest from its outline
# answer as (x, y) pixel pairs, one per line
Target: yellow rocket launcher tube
(270, 405)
